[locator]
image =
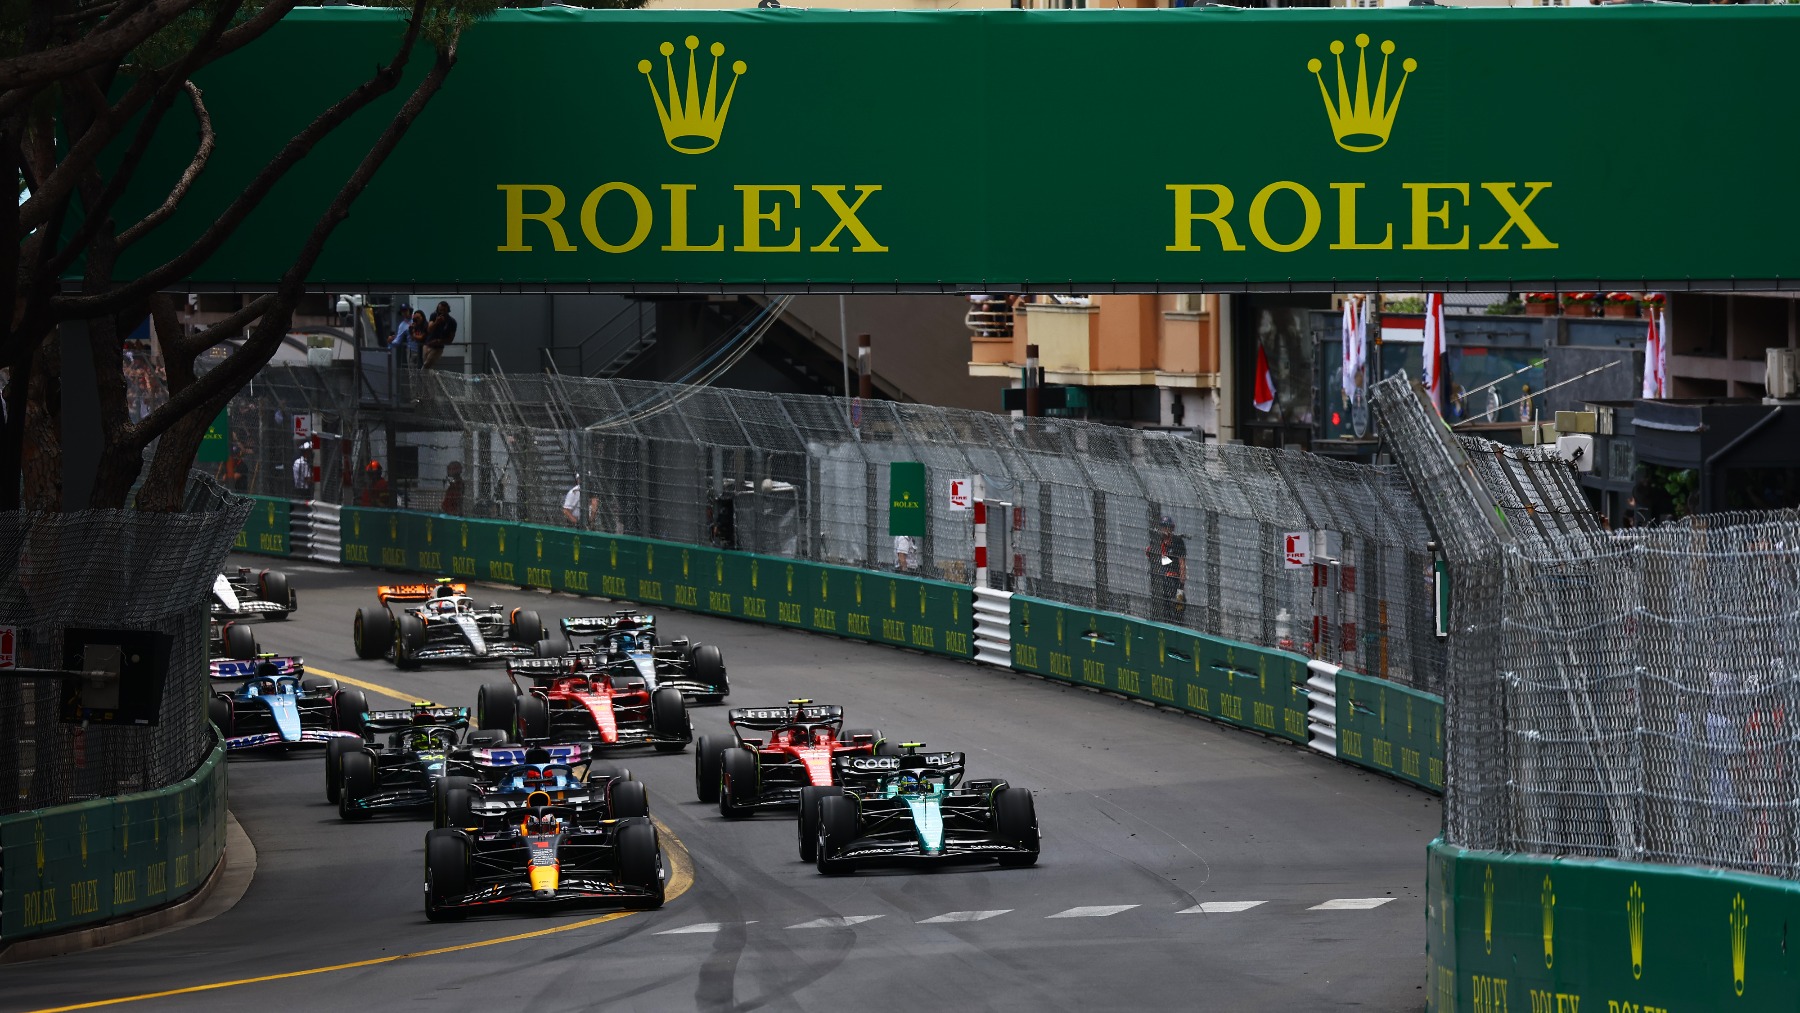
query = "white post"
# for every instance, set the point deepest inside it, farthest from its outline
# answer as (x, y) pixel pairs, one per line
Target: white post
(978, 491)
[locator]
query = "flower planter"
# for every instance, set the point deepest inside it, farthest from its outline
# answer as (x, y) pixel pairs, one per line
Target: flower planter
(1625, 310)
(1578, 309)
(1540, 309)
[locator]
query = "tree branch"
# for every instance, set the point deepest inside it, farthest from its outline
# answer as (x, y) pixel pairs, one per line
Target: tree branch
(96, 49)
(201, 156)
(364, 95)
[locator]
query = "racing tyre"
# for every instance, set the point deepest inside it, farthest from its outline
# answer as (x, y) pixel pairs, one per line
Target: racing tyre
(669, 719)
(495, 704)
(837, 827)
(738, 776)
(439, 798)
(534, 718)
(554, 646)
(312, 685)
(334, 766)
(527, 628)
(348, 708)
(274, 587)
(357, 783)
(1015, 820)
(372, 632)
(446, 873)
(638, 864)
(218, 711)
(240, 641)
(709, 667)
(409, 636)
(706, 767)
(627, 798)
(459, 808)
(810, 797)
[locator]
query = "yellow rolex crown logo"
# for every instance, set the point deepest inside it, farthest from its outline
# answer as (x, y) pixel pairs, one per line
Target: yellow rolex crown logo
(1634, 915)
(1740, 942)
(1359, 121)
(1549, 900)
(689, 125)
(1487, 911)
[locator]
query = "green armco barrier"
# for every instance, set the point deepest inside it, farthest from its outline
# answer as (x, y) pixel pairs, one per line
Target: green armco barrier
(1254, 687)
(1388, 727)
(1524, 932)
(266, 529)
(79, 864)
(885, 608)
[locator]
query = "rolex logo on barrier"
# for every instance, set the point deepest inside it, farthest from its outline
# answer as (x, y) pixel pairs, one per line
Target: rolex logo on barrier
(1359, 121)
(1487, 911)
(1740, 942)
(1549, 900)
(1634, 919)
(692, 125)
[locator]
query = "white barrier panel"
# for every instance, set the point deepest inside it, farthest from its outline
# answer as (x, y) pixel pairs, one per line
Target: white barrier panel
(993, 627)
(315, 531)
(1321, 714)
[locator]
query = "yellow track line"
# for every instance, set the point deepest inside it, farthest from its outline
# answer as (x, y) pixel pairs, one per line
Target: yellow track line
(681, 877)
(373, 687)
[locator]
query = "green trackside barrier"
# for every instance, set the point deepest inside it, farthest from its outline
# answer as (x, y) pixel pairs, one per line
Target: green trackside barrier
(266, 529)
(80, 864)
(1240, 684)
(1522, 932)
(1391, 728)
(893, 609)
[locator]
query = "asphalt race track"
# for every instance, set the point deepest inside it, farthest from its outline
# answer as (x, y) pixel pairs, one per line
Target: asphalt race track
(1186, 866)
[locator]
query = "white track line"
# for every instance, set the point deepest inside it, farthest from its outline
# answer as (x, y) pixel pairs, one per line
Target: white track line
(1220, 907)
(965, 916)
(1098, 911)
(835, 922)
(1351, 904)
(700, 927)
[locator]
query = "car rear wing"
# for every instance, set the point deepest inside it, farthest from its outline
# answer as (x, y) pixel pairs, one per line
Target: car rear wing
(513, 756)
(868, 766)
(245, 668)
(540, 670)
(772, 718)
(592, 626)
(410, 717)
(414, 592)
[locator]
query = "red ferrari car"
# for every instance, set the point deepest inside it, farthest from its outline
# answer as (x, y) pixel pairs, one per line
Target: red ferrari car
(796, 751)
(557, 700)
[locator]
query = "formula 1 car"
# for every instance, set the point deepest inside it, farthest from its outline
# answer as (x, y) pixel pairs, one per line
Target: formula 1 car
(397, 758)
(561, 773)
(629, 638)
(541, 855)
(747, 772)
(284, 709)
(918, 809)
(242, 596)
(562, 701)
(440, 622)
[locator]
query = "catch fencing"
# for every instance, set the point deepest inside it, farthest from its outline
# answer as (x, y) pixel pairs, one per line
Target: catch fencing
(1072, 506)
(108, 569)
(1631, 695)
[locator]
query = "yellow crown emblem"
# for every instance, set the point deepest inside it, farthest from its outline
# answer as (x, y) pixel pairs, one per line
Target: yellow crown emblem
(690, 126)
(1358, 121)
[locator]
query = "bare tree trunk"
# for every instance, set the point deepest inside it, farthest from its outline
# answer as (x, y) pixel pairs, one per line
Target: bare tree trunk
(42, 450)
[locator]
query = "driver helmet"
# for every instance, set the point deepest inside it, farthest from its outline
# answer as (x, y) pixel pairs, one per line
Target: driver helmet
(424, 739)
(443, 606)
(626, 641)
(443, 591)
(910, 783)
(540, 820)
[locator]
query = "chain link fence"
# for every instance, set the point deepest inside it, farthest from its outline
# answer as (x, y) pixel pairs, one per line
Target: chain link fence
(1631, 695)
(1073, 507)
(108, 569)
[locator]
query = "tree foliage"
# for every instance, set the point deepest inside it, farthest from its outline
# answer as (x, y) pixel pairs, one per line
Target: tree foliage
(84, 87)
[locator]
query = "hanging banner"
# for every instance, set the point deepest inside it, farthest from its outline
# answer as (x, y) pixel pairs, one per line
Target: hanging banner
(640, 150)
(906, 499)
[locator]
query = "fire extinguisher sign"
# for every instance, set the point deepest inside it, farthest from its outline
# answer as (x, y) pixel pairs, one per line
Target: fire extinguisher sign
(9, 648)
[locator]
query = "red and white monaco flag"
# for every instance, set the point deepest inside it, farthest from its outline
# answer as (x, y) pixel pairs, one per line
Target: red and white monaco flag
(1355, 334)
(1434, 349)
(1656, 358)
(1265, 382)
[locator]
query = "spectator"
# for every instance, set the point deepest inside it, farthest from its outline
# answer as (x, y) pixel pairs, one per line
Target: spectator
(233, 475)
(376, 493)
(440, 331)
(906, 553)
(1167, 553)
(453, 489)
(571, 506)
(303, 472)
(402, 343)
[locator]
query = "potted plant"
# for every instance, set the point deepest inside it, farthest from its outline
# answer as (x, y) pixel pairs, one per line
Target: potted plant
(1621, 304)
(1540, 304)
(1579, 304)
(1653, 302)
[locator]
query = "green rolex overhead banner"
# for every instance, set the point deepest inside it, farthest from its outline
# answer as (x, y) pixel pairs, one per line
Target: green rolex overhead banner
(1618, 146)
